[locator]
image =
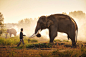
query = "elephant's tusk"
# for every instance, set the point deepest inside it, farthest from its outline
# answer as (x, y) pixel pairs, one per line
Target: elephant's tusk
(34, 34)
(31, 36)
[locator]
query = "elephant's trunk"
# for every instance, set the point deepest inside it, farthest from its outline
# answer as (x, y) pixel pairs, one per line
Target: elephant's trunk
(38, 28)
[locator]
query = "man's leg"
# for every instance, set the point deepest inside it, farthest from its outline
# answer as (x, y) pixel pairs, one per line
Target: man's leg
(23, 41)
(19, 42)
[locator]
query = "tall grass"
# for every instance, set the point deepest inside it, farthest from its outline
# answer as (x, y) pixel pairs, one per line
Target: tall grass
(14, 40)
(9, 41)
(58, 40)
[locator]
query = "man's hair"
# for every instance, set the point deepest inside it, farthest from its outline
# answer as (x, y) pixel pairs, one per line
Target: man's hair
(21, 29)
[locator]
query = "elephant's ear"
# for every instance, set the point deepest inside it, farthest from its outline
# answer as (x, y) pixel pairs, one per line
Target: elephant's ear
(49, 22)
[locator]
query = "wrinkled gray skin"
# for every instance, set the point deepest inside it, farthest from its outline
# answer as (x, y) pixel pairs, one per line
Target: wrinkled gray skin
(11, 31)
(57, 23)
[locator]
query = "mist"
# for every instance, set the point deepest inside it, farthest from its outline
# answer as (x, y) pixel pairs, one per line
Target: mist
(29, 25)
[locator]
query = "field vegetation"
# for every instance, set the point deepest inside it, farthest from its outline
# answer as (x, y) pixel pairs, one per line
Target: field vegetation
(35, 48)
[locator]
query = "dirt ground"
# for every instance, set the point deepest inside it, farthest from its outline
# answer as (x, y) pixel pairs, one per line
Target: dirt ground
(13, 51)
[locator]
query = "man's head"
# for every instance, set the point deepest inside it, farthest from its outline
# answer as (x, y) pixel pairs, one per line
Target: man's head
(21, 29)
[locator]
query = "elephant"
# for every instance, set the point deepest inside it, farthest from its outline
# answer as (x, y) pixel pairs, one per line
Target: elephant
(57, 23)
(11, 31)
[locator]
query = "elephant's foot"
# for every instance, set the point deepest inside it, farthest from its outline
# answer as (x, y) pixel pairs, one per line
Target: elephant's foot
(51, 43)
(73, 45)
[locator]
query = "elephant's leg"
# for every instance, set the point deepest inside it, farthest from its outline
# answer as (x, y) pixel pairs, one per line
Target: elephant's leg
(68, 36)
(6, 35)
(73, 43)
(73, 39)
(10, 34)
(14, 34)
(52, 33)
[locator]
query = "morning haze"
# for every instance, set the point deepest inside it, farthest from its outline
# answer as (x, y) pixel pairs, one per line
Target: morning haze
(17, 11)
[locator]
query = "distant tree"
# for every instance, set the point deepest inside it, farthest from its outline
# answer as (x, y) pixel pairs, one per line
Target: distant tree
(1, 23)
(21, 21)
(64, 13)
(77, 14)
(27, 21)
(24, 23)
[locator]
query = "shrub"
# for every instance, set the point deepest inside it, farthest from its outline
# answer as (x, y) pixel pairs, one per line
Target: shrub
(9, 41)
(33, 40)
(83, 54)
(30, 46)
(2, 41)
(65, 41)
(57, 40)
(41, 45)
(62, 54)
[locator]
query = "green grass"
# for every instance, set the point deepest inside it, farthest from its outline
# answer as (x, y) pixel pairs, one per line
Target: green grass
(58, 40)
(65, 41)
(9, 41)
(32, 40)
(14, 41)
(39, 45)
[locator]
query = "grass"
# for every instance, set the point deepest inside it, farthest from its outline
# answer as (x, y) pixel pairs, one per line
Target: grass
(28, 49)
(39, 53)
(70, 53)
(39, 45)
(9, 41)
(32, 40)
(58, 40)
(14, 41)
(65, 41)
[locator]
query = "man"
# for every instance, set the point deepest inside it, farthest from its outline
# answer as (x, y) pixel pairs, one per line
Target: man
(21, 37)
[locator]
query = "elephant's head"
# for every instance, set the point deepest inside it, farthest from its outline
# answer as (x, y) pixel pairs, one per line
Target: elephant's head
(8, 30)
(42, 23)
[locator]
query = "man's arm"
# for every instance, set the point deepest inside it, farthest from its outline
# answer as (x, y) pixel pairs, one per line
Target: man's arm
(24, 35)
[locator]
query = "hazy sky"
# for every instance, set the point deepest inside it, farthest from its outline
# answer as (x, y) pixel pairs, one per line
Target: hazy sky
(15, 10)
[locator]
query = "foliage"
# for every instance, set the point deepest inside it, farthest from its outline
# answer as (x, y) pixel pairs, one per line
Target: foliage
(14, 41)
(9, 41)
(1, 23)
(77, 14)
(64, 13)
(58, 40)
(33, 40)
(65, 41)
(35, 49)
(39, 45)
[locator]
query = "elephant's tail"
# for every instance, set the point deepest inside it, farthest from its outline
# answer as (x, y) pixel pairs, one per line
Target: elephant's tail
(76, 33)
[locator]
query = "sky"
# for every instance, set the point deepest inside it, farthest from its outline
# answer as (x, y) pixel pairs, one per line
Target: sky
(15, 10)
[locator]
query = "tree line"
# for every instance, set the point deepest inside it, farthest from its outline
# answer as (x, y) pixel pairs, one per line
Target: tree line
(27, 22)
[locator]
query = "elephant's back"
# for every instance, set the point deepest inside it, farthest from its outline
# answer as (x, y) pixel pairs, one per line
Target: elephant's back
(59, 17)
(12, 30)
(76, 27)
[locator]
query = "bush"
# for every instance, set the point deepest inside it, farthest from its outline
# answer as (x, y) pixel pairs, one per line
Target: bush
(9, 41)
(39, 45)
(2, 41)
(83, 54)
(62, 54)
(33, 40)
(14, 41)
(57, 40)
(65, 41)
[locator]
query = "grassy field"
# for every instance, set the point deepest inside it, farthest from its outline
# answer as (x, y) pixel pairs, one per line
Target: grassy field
(36, 47)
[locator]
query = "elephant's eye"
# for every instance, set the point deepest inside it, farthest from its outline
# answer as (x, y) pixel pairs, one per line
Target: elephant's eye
(41, 23)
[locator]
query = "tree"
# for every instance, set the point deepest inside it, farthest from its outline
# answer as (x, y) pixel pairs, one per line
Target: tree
(1, 23)
(77, 14)
(64, 13)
